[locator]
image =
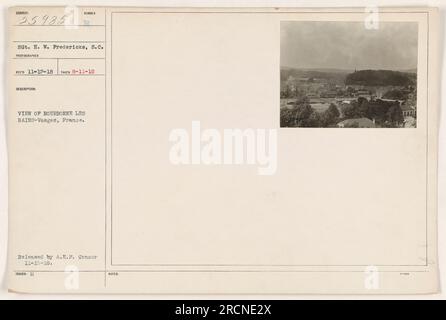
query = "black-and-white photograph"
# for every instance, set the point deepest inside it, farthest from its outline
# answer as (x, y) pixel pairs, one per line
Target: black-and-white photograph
(344, 75)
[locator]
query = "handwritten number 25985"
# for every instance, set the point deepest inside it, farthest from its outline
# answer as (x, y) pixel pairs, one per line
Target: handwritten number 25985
(45, 20)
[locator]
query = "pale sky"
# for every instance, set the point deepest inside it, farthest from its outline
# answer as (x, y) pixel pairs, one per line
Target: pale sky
(348, 45)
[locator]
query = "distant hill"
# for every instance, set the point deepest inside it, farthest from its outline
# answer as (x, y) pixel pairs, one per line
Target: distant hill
(380, 78)
(336, 75)
(323, 70)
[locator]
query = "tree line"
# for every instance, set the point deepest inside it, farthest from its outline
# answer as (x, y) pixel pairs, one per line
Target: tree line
(380, 78)
(384, 113)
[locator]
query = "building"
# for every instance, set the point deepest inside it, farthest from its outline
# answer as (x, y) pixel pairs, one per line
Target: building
(408, 111)
(356, 123)
(329, 94)
(363, 94)
(410, 122)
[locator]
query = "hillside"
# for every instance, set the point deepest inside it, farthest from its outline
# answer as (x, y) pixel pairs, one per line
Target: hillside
(334, 75)
(380, 78)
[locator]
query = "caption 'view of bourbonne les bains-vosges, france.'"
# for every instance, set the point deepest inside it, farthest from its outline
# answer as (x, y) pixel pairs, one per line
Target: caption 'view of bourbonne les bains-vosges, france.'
(344, 75)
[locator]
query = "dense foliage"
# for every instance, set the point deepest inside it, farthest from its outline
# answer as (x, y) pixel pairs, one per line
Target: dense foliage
(379, 78)
(384, 113)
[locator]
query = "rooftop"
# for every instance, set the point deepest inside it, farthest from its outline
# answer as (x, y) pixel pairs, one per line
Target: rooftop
(360, 122)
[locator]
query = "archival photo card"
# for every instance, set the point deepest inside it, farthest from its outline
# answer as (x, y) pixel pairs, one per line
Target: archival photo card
(147, 153)
(337, 74)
